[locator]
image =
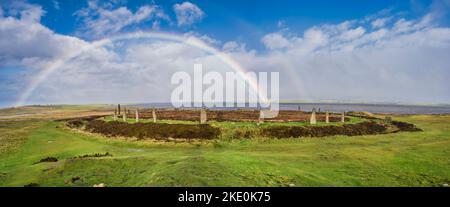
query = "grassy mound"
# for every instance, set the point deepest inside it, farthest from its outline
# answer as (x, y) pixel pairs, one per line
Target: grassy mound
(364, 128)
(153, 130)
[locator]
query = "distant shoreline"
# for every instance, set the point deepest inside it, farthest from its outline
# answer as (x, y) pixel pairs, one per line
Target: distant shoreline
(377, 108)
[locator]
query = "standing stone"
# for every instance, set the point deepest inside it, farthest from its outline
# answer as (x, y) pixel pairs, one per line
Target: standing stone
(118, 108)
(202, 116)
(137, 116)
(313, 117)
(261, 117)
(115, 117)
(327, 117)
(124, 116)
(343, 117)
(154, 115)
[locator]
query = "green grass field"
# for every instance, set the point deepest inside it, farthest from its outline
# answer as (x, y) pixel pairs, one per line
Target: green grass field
(399, 159)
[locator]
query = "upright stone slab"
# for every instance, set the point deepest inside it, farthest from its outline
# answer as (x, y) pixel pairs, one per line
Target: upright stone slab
(137, 116)
(261, 117)
(327, 117)
(343, 117)
(118, 108)
(154, 115)
(313, 120)
(115, 117)
(124, 116)
(203, 116)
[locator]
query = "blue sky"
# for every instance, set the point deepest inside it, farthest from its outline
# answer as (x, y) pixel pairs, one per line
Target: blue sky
(246, 20)
(362, 50)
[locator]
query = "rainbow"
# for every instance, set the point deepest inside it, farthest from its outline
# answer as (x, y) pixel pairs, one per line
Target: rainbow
(189, 40)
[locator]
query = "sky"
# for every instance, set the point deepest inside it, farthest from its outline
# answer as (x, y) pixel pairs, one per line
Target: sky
(359, 50)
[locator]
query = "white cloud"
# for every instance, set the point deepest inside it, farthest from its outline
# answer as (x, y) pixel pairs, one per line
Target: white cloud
(312, 39)
(234, 47)
(27, 46)
(377, 35)
(124, 72)
(24, 11)
(381, 22)
(403, 25)
(352, 33)
(406, 61)
(230, 46)
(102, 20)
(209, 40)
(315, 37)
(187, 13)
(275, 41)
(24, 41)
(117, 72)
(349, 61)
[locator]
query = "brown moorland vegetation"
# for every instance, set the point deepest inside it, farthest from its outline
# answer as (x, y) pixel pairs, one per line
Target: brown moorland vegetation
(235, 115)
(364, 128)
(153, 130)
